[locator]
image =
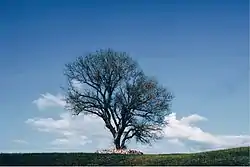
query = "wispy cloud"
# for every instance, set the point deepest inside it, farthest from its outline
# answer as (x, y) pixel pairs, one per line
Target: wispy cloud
(19, 141)
(48, 100)
(71, 142)
(176, 142)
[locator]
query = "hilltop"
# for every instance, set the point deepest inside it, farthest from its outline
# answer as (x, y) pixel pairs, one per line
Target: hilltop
(235, 156)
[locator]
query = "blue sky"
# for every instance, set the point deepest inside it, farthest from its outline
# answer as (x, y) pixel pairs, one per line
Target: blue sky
(198, 49)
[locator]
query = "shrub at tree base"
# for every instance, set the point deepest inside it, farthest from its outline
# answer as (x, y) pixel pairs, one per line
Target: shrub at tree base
(119, 151)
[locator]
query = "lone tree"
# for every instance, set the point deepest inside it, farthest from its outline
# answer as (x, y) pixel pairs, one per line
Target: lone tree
(115, 89)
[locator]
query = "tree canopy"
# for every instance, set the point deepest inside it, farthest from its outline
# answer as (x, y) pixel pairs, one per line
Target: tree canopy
(115, 88)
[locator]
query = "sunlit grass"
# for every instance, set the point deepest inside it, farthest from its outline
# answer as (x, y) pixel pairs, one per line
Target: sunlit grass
(235, 156)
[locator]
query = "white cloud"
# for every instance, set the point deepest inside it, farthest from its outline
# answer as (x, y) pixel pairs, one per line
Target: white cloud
(192, 119)
(72, 132)
(185, 130)
(20, 141)
(49, 100)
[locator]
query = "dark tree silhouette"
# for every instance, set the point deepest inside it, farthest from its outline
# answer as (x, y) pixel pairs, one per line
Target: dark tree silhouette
(115, 89)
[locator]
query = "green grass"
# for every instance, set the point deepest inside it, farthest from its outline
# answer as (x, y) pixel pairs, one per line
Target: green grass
(235, 157)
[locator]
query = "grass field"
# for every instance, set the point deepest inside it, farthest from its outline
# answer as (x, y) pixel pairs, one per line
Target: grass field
(236, 156)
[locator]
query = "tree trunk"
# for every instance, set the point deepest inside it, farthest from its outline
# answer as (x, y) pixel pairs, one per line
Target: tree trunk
(118, 136)
(117, 144)
(117, 140)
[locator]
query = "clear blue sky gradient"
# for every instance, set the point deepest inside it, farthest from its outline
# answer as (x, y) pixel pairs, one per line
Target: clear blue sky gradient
(197, 48)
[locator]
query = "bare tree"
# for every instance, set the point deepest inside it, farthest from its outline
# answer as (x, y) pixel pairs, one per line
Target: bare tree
(115, 89)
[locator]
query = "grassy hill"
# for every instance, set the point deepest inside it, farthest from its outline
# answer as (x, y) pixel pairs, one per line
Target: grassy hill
(235, 156)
